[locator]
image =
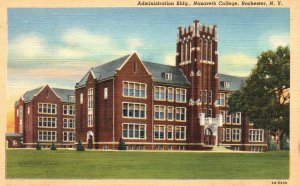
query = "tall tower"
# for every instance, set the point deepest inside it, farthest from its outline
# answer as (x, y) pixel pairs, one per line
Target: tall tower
(197, 57)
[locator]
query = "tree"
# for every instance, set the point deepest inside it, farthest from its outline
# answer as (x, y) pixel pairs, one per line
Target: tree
(122, 145)
(38, 146)
(265, 96)
(79, 146)
(53, 147)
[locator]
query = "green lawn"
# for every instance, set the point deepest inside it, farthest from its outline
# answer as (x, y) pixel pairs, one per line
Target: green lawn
(133, 164)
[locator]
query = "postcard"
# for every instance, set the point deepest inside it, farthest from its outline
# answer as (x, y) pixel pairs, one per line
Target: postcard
(150, 93)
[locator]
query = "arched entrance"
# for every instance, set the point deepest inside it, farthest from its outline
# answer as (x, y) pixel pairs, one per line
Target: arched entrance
(208, 137)
(90, 140)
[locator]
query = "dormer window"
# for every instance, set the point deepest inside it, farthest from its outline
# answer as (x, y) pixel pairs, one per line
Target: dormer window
(71, 98)
(226, 84)
(168, 76)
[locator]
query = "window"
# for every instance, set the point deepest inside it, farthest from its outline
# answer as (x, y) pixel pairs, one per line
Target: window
(46, 135)
(47, 108)
(170, 113)
(180, 113)
(160, 93)
(170, 132)
(28, 110)
(209, 113)
(49, 122)
(200, 96)
(90, 98)
(69, 110)
(210, 97)
(223, 136)
(90, 107)
(222, 99)
(168, 76)
(81, 98)
(223, 116)
(134, 89)
(236, 135)
(226, 84)
(90, 120)
(69, 123)
(170, 94)
(134, 67)
(205, 112)
(236, 118)
(69, 136)
(159, 132)
(133, 131)
(105, 92)
(71, 98)
(256, 135)
(180, 132)
(205, 97)
(21, 119)
(181, 95)
(65, 109)
(159, 112)
(134, 110)
(66, 123)
(228, 118)
(228, 134)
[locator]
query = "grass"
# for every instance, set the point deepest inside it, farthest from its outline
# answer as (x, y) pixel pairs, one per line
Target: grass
(133, 164)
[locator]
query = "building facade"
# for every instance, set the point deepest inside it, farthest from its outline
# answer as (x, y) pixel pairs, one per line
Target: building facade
(155, 106)
(46, 115)
(149, 105)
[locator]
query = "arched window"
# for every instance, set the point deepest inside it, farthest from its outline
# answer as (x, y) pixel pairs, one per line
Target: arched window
(81, 98)
(105, 93)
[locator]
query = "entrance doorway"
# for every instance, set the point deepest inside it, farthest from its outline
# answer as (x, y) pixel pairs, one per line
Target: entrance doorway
(90, 140)
(208, 137)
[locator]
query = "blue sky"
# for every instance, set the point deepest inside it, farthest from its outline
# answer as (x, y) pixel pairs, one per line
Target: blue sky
(58, 46)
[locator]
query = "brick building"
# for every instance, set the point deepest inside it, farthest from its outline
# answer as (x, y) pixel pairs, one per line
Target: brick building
(46, 115)
(149, 105)
(155, 106)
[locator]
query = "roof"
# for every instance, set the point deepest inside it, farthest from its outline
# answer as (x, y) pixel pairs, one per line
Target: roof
(62, 93)
(235, 82)
(157, 71)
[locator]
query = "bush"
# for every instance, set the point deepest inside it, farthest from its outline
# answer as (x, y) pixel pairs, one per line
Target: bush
(53, 147)
(122, 145)
(79, 146)
(38, 146)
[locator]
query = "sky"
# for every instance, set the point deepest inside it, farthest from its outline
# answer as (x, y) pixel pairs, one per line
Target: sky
(58, 46)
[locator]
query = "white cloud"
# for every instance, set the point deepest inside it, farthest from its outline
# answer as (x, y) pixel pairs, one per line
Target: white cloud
(135, 43)
(276, 40)
(70, 53)
(82, 38)
(170, 59)
(28, 45)
(238, 59)
(237, 64)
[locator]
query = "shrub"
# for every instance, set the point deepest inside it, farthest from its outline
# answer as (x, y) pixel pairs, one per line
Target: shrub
(122, 145)
(79, 146)
(53, 147)
(38, 146)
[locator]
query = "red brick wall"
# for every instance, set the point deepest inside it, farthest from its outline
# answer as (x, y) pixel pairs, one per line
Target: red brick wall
(142, 76)
(30, 122)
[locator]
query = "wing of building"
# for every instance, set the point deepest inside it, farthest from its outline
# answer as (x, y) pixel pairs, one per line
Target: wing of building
(46, 115)
(151, 105)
